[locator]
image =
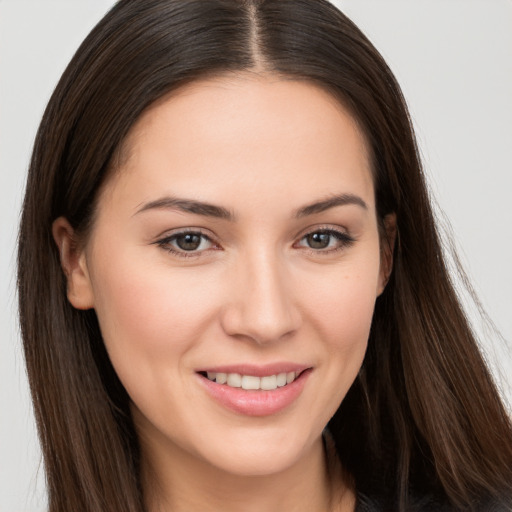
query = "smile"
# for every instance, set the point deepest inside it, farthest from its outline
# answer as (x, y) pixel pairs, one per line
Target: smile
(273, 389)
(251, 382)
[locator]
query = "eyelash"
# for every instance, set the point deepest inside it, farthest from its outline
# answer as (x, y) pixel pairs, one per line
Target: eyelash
(165, 243)
(344, 239)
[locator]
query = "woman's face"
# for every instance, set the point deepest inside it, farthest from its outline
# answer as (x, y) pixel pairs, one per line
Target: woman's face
(238, 241)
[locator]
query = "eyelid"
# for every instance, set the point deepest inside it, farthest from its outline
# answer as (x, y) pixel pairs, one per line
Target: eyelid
(164, 241)
(322, 228)
(184, 230)
(342, 234)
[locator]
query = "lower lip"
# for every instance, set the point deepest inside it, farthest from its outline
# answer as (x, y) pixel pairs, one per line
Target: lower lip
(256, 402)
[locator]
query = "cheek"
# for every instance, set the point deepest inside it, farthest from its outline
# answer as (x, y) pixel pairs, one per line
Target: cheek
(149, 315)
(341, 307)
(340, 312)
(346, 326)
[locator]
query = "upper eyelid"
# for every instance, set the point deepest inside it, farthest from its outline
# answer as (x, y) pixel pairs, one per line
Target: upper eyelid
(323, 228)
(165, 235)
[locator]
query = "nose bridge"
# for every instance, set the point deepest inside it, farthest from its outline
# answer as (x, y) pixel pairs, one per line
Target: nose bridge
(262, 307)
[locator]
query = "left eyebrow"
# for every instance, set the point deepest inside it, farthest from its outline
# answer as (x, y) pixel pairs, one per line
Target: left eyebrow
(331, 202)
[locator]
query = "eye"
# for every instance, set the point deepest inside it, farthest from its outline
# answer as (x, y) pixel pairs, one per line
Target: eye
(326, 240)
(188, 243)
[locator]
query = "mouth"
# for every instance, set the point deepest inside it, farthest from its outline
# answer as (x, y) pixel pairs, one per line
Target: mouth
(255, 391)
(253, 382)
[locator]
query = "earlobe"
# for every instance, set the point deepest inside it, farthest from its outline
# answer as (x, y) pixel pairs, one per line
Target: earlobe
(74, 265)
(387, 250)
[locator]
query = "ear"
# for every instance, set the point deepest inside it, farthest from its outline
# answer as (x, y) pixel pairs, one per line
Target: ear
(74, 264)
(388, 239)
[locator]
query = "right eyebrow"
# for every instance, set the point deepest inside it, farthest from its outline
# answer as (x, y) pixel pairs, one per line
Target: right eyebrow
(188, 206)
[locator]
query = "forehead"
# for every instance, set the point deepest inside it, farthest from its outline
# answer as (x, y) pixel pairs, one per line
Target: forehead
(247, 128)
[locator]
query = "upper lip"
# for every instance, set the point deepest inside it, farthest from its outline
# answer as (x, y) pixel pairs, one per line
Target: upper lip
(257, 370)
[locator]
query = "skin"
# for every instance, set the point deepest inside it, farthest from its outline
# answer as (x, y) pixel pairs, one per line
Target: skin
(254, 291)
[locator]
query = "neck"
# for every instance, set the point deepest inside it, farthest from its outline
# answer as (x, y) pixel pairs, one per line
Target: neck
(313, 483)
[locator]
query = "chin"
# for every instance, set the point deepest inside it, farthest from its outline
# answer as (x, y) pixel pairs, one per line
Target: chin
(260, 452)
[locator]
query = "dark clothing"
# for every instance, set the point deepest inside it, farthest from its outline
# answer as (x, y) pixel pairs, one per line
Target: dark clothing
(429, 504)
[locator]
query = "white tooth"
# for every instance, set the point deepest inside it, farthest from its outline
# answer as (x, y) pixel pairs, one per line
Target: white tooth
(290, 377)
(281, 380)
(250, 382)
(234, 380)
(222, 378)
(269, 383)
(211, 375)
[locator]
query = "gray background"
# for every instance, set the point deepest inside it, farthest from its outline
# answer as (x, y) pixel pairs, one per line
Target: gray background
(453, 59)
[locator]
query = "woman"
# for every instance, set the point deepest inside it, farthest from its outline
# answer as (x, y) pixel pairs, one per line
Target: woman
(202, 328)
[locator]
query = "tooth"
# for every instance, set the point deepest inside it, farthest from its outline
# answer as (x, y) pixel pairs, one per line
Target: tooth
(234, 380)
(290, 377)
(280, 380)
(250, 382)
(211, 375)
(269, 383)
(222, 378)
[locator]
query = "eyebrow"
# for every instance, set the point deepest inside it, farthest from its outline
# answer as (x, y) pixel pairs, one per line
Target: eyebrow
(188, 206)
(331, 202)
(211, 210)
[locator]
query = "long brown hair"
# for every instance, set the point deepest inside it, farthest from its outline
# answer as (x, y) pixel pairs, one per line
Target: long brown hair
(423, 422)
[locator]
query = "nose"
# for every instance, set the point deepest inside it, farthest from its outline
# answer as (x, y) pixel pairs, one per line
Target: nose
(261, 304)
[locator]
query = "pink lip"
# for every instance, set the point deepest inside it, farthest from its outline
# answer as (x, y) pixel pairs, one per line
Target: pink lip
(259, 402)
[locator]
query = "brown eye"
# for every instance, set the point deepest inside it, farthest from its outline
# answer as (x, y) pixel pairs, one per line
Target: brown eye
(189, 241)
(318, 240)
(326, 241)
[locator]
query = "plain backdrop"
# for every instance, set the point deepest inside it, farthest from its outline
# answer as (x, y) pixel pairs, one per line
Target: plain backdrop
(453, 59)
